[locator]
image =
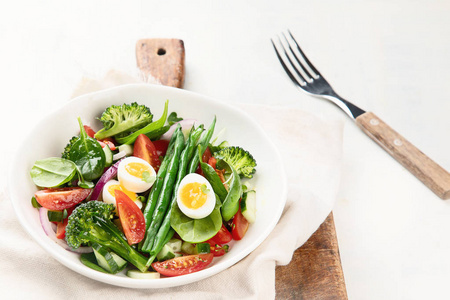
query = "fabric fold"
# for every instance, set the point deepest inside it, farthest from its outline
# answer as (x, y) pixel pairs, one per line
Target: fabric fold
(311, 149)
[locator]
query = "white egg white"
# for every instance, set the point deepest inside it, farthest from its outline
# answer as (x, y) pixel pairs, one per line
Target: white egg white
(133, 183)
(207, 207)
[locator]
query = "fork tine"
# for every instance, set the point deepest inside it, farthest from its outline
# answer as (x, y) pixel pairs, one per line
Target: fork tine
(302, 77)
(297, 59)
(310, 65)
(291, 76)
(292, 63)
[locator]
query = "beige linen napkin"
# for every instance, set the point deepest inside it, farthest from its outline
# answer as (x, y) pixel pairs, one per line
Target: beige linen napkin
(311, 149)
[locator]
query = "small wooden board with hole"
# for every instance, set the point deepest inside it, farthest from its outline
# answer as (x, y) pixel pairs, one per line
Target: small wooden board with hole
(162, 59)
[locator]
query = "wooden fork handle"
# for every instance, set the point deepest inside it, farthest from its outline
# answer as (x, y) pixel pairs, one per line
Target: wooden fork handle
(430, 173)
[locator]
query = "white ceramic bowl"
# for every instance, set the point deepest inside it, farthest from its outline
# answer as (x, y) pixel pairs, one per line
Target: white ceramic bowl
(49, 137)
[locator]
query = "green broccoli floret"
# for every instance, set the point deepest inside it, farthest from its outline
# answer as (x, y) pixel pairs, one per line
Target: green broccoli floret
(242, 161)
(91, 223)
(125, 118)
(66, 151)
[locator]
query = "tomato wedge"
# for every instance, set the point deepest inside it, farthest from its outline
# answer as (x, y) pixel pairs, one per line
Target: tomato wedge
(239, 226)
(61, 229)
(183, 265)
(107, 141)
(223, 236)
(217, 249)
(89, 131)
(206, 155)
(144, 148)
(161, 147)
(61, 226)
(205, 158)
(61, 198)
(131, 218)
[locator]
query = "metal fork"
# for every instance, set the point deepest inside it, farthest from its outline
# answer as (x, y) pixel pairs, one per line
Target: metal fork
(305, 76)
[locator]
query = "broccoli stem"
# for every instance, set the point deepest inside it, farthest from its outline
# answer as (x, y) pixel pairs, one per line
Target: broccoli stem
(105, 233)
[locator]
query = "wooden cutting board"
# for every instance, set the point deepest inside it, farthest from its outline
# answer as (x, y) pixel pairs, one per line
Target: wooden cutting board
(315, 271)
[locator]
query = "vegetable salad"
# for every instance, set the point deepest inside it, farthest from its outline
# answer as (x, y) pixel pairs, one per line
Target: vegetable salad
(149, 197)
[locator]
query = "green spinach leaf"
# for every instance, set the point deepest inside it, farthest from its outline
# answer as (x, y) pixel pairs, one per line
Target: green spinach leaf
(196, 230)
(53, 172)
(214, 180)
(173, 118)
(88, 155)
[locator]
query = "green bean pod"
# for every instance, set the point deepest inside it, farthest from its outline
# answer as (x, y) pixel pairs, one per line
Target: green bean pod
(193, 164)
(157, 186)
(169, 235)
(165, 195)
(186, 156)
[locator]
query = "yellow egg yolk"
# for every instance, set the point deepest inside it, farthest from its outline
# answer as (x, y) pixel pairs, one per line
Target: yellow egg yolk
(114, 187)
(136, 169)
(192, 195)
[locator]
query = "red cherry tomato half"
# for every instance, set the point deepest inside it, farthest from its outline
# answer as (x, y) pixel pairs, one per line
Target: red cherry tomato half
(108, 141)
(131, 218)
(61, 229)
(61, 226)
(89, 131)
(161, 147)
(212, 162)
(239, 226)
(144, 148)
(205, 158)
(206, 155)
(219, 250)
(216, 249)
(223, 236)
(61, 198)
(183, 265)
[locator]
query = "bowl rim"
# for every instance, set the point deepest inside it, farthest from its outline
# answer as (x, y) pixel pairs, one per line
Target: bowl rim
(166, 281)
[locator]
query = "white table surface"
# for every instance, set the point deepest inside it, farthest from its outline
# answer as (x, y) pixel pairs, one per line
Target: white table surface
(389, 57)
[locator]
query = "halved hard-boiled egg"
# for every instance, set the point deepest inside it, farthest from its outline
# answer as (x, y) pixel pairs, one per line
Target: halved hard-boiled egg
(195, 196)
(136, 174)
(108, 193)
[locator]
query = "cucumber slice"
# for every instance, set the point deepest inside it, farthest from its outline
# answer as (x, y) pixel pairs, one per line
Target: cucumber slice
(89, 260)
(202, 248)
(165, 253)
(248, 206)
(136, 274)
(175, 244)
(128, 149)
(188, 248)
(108, 260)
(108, 156)
(122, 263)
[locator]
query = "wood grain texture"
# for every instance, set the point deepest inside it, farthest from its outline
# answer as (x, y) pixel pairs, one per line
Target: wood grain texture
(315, 271)
(420, 165)
(162, 59)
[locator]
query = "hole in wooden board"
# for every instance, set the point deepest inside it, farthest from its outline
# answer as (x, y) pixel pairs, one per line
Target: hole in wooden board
(161, 51)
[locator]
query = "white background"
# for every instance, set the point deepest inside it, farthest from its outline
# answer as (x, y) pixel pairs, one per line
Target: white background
(389, 57)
